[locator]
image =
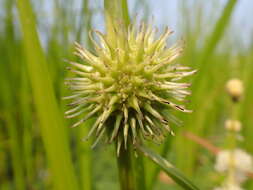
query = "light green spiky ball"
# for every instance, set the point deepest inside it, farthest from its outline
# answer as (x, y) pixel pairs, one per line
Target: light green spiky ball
(127, 85)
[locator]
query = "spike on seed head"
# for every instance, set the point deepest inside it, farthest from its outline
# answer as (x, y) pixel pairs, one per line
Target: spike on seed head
(126, 87)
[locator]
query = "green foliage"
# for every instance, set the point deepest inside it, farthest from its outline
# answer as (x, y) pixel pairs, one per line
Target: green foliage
(38, 151)
(52, 128)
(178, 177)
(205, 79)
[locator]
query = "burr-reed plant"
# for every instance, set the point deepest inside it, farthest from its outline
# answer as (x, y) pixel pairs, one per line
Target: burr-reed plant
(38, 149)
(128, 85)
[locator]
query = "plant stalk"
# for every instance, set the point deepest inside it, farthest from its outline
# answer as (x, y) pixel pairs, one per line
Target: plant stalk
(140, 175)
(126, 177)
(117, 19)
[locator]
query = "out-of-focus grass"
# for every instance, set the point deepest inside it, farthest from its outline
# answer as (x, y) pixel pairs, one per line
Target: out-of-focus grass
(52, 128)
(202, 83)
(23, 164)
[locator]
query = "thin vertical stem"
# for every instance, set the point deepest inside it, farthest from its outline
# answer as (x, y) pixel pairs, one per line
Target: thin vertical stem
(117, 21)
(125, 15)
(140, 176)
(125, 169)
(116, 18)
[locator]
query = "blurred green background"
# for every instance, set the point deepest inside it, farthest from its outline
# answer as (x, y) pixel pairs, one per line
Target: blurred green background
(219, 43)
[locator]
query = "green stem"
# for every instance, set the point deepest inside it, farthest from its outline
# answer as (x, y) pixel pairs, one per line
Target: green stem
(116, 11)
(126, 16)
(140, 172)
(117, 20)
(126, 176)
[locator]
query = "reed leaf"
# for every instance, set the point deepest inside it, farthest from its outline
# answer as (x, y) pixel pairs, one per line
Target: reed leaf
(200, 85)
(167, 167)
(52, 128)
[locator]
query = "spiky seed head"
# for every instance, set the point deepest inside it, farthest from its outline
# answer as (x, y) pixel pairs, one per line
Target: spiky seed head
(235, 89)
(128, 84)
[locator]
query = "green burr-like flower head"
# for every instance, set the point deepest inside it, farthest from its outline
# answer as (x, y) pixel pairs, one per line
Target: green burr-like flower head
(128, 85)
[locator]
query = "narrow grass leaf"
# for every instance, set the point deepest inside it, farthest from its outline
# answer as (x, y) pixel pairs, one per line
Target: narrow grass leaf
(167, 167)
(52, 128)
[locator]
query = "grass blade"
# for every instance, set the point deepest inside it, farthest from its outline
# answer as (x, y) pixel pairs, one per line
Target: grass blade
(168, 168)
(52, 128)
(216, 35)
(154, 173)
(201, 84)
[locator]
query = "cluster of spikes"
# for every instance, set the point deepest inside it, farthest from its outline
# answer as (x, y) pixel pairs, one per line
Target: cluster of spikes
(127, 86)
